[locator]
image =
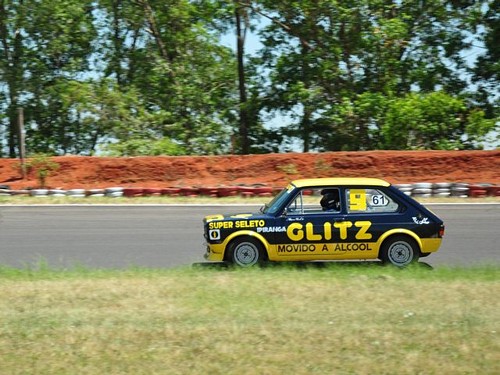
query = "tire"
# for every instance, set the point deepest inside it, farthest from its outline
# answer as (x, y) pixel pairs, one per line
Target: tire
(399, 251)
(246, 252)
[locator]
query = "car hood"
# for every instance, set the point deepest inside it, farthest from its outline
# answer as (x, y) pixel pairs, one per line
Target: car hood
(232, 217)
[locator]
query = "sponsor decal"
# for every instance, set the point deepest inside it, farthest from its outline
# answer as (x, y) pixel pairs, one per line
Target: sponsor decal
(296, 248)
(271, 230)
(353, 247)
(220, 225)
(298, 218)
(357, 200)
(298, 231)
(214, 234)
(239, 224)
(425, 220)
(323, 249)
(379, 200)
(249, 223)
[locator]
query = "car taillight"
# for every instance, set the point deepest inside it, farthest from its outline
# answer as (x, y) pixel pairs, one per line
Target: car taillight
(441, 231)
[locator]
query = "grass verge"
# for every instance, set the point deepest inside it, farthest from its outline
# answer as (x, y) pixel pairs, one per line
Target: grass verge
(338, 319)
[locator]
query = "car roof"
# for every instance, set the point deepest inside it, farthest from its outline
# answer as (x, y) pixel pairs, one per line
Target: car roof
(339, 181)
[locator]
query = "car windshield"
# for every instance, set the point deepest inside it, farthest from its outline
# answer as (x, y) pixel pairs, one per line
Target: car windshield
(277, 202)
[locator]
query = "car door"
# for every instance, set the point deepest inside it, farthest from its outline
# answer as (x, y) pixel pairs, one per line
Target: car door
(370, 212)
(307, 228)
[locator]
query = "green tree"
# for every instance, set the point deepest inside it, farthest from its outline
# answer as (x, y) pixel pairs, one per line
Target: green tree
(433, 121)
(45, 45)
(323, 56)
(134, 77)
(12, 67)
(238, 19)
(163, 49)
(487, 69)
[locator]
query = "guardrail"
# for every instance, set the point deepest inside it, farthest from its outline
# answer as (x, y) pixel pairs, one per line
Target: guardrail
(419, 189)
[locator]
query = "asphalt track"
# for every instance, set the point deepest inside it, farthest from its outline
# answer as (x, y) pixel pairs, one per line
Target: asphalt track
(170, 236)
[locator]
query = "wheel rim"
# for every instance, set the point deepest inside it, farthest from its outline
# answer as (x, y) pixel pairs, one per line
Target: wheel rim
(246, 254)
(400, 253)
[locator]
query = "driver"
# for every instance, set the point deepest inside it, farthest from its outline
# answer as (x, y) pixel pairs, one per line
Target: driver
(330, 200)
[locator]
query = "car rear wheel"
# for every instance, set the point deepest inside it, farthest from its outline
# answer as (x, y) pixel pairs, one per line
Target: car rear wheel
(246, 252)
(399, 251)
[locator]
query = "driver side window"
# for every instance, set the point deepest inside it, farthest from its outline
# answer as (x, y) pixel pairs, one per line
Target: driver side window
(315, 201)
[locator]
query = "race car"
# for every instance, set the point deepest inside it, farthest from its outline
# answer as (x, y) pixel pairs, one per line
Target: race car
(327, 219)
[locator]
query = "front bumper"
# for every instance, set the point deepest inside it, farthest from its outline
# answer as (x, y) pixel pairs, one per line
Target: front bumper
(213, 255)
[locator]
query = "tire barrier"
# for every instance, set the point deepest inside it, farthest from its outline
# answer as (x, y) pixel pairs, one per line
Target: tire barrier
(76, 193)
(417, 190)
(246, 191)
(133, 192)
(263, 191)
(4, 193)
(209, 191)
(39, 192)
(483, 190)
(227, 191)
(19, 192)
(96, 193)
(151, 192)
(460, 190)
(441, 190)
(4, 190)
(57, 193)
(494, 191)
(189, 191)
(113, 192)
(173, 192)
(405, 188)
(422, 190)
(255, 191)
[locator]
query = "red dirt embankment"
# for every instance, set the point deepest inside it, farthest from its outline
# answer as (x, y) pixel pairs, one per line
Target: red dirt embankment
(271, 169)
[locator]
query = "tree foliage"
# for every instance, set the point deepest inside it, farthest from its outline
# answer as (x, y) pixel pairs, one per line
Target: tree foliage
(135, 77)
(432, 121)
(334, 64)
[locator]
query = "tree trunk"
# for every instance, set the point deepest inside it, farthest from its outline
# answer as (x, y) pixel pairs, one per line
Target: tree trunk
(240, 38)
(13, 73)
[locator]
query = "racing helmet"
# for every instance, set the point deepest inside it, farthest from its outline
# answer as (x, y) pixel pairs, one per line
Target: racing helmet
(330, 199)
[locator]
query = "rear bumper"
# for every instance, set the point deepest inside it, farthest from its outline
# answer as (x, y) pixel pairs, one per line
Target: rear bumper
(430, 245)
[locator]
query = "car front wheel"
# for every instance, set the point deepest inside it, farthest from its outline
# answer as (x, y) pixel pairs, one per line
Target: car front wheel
(399, 251)
(246, 252)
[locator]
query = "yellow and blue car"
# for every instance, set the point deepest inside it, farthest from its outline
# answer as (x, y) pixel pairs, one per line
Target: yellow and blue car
(326, 219)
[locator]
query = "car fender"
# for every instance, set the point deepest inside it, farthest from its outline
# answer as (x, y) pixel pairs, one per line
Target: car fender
(250, 233)
(400, 231)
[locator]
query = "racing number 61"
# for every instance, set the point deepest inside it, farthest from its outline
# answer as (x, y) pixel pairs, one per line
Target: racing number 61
(379, 200)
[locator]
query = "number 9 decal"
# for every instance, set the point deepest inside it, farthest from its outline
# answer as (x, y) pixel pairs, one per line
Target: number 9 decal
(357, 200)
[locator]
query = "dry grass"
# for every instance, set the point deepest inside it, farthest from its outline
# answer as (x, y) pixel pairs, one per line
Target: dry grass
(279, 320)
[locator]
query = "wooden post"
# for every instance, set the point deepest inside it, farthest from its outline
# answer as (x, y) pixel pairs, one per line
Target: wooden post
(22, 147)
